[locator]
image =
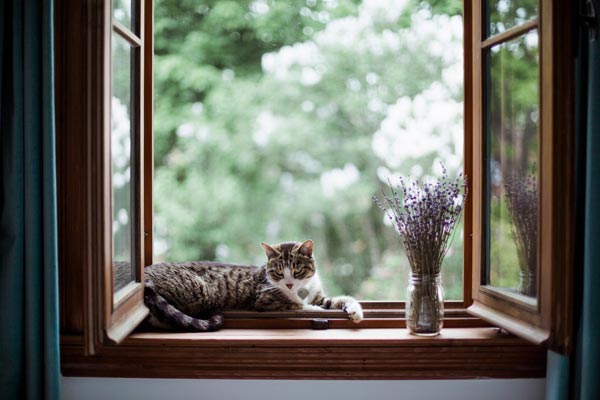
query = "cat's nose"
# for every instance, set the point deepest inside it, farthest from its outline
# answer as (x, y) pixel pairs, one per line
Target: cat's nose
(289, 285)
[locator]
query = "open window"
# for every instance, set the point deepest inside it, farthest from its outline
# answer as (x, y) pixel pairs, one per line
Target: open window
(522, 174)
(104, 121)
(124, 155)
(270, 126)
(518, 116)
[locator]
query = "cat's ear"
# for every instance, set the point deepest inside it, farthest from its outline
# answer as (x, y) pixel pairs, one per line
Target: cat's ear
(271, 252)
(306, 248)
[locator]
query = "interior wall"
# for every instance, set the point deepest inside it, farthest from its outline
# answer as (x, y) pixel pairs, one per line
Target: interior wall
(226, 389)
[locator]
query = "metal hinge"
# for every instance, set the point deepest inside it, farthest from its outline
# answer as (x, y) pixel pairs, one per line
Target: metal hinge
(589, 19)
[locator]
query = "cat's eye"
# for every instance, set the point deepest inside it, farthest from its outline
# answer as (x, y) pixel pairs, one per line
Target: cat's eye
(302, 271)
(276, 274)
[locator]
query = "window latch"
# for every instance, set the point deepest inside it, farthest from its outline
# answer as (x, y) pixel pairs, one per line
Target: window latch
(589, 19)
(320, 324)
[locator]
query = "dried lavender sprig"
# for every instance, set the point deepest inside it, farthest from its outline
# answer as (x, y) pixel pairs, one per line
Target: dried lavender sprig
(521, 201)
(425, 216)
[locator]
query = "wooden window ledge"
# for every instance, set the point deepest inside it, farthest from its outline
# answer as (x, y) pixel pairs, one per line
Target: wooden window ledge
(308, 354)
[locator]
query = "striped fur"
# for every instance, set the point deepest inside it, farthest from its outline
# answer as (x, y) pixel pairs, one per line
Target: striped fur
(164, 315)
(190, 296)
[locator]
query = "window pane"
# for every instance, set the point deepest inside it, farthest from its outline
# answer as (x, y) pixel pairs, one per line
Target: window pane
(513, 148)
(123, 12)
(278, 121)
(121, 154)
(506, 14)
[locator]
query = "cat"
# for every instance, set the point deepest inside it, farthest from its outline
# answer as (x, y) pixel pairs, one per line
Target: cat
(190, 296)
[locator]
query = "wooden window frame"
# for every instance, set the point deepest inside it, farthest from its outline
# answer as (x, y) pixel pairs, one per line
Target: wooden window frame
(547, 321)
(83, 95)
(467, 348)
(125, 308)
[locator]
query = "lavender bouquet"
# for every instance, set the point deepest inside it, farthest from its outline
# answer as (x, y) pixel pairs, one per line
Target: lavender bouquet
(521, 201)
(424, 215)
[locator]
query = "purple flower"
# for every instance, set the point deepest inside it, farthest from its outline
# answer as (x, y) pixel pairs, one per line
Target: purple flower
(425, 216)
(521, 201)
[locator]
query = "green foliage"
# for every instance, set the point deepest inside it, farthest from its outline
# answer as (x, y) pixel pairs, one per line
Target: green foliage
(265, 116)
(449, 7)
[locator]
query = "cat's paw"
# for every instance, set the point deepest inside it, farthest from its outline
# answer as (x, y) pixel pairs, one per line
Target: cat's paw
(354, 311)
(310, 307)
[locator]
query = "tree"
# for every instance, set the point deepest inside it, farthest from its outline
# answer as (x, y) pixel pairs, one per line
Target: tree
(274, 122)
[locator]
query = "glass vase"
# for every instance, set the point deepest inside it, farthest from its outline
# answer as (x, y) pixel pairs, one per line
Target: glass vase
(527, 283)
(424, 304)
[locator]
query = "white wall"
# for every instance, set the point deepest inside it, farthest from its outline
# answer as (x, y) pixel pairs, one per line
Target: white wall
(175, 389)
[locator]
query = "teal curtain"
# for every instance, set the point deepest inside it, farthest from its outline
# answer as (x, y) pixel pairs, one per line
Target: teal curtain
(557, 377)
(576, 377)
(29, 359)
(587, 357)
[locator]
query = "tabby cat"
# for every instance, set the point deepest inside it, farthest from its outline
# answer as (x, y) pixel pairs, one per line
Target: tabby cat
(189, 296)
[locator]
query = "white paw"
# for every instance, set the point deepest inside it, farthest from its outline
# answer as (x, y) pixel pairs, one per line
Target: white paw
(354, 311)
(310, 307)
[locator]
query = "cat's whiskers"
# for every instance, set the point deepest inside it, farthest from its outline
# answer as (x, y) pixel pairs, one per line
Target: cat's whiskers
(269, 289)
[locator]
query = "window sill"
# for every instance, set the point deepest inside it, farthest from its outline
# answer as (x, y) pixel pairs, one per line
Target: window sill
(307, 354)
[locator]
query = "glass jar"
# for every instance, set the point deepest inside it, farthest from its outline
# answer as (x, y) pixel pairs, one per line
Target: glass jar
(527, 283)
(424, 304)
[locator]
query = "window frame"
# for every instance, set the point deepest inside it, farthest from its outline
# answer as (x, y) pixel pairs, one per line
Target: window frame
(83, 96)
(549, 320)
(468, 348)
(125, 309)
(370, 354)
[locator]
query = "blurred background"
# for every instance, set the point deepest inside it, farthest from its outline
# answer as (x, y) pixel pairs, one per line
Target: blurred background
(278, 120)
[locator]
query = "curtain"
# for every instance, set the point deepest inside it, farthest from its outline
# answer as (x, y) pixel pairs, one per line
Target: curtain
(29, 356)
(557, 377)
(576, 377)
(587, 357)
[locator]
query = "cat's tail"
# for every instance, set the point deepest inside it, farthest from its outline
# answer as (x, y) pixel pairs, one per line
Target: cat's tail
(165, 315)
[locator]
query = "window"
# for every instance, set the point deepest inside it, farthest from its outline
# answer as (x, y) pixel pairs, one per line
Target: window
(266, 110)
(126, 152)
(105, 183)
(522, 154)
(104, 70)
(293, 114)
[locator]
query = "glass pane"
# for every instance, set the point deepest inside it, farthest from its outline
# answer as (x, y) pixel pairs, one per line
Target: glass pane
(123, 12)
(121, 154)
(506, 14)
(512, 164)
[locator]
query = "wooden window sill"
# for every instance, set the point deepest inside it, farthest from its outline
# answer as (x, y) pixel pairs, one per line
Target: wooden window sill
(307, 354)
